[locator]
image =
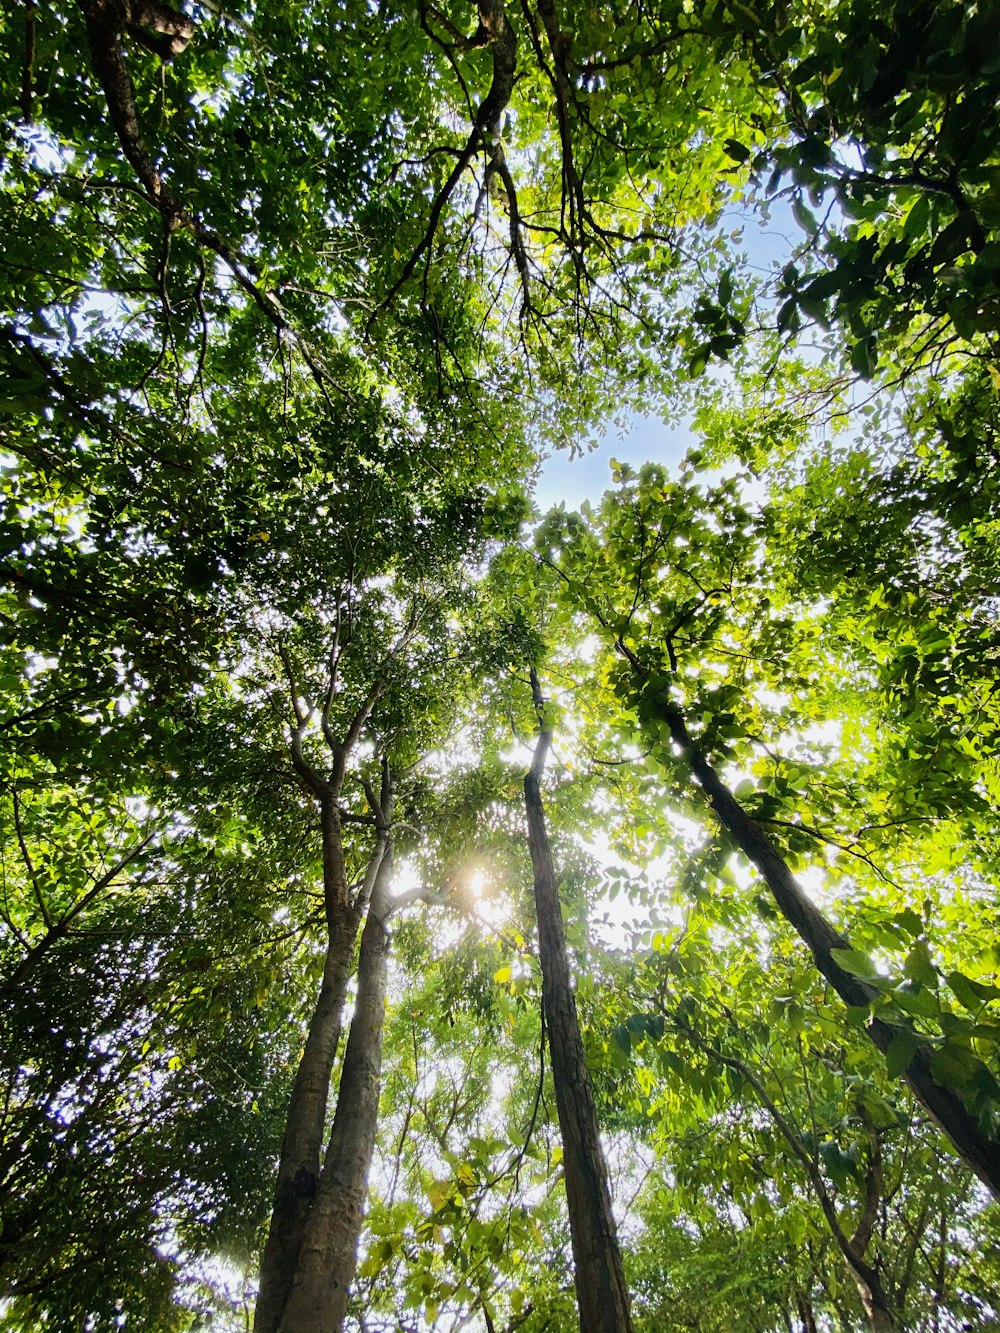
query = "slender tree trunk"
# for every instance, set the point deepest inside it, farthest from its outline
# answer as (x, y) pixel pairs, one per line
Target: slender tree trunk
(980, 1149)
(865, 1276)
(317, 1302)
(941, 1276)
(602, 1296)
(807, 1318)
(302, 1186)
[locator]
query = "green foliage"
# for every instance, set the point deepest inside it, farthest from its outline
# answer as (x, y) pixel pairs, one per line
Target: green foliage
(271, 449)
(889, 163)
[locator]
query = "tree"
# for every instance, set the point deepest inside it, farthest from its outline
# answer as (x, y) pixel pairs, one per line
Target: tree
(141, 1062)
(776, 1126)
(302, 1189)
(602, 1295)
(664, 614)
(291, 305)
(892, 139)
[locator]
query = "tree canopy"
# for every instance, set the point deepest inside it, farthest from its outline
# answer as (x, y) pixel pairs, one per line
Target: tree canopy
(423, 911)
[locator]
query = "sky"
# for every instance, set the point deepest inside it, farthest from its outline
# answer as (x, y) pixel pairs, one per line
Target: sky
(768, 242)
(646, 439)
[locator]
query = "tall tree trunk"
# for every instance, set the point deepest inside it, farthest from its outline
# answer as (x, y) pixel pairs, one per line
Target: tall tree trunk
(299, 1163)
(300, 1180)
(601, 1294)
(980, 1149)
(873, 1297)
(317, 1302)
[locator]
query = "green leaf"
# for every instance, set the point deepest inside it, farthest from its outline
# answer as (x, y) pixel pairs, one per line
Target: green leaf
(912, 998)
(738, 152)
(900, 1052)
(971, 994)
(855, 962)
(622, 1038)
(953, 1065)
(864, 358)
(788, 316)
(840, 1167)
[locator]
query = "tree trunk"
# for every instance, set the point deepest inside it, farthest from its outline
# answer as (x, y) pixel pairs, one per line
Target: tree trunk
(873, 1298)
(299, 1165)
(807, 1318)
(979, 1149)
(317, 1302)
(602, 1296)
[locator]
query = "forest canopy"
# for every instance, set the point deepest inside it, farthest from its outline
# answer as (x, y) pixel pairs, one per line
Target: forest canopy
(424, 907)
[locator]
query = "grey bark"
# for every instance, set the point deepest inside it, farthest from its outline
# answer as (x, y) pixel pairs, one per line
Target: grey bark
(317, 1302)
(299, 1165)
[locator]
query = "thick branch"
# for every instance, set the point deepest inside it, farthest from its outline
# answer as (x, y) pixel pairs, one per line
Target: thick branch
(342, 749)
(496, 32)
(559, 44)
(873, 1196)
(107, 21)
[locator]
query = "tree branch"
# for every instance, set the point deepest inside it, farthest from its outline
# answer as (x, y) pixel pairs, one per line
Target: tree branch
(496, 32)
(28, 862)
(58, 929)
(107, 21)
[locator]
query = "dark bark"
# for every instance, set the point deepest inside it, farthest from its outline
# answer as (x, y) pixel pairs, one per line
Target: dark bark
(107, 22)
(317, 1302)
(166, 32)
(807, 1317)
(601, 1293)
(876, 1303)
(980, 1149)
(496, 33)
